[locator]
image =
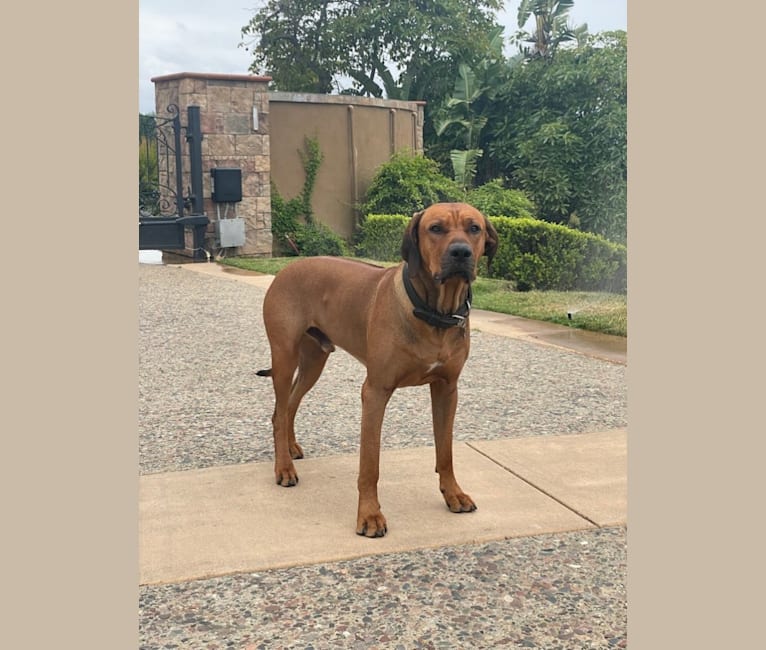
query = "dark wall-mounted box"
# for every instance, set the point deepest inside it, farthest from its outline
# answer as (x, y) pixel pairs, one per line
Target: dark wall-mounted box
(227, 184)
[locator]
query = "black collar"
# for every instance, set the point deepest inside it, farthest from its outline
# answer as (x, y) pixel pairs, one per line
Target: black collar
(431, 316)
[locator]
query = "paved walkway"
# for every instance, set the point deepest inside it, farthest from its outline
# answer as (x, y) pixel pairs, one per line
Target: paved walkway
(229, 520)
(233, 519)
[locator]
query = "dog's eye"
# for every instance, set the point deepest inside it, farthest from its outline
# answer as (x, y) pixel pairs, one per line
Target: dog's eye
(474, 228)
(435, 227)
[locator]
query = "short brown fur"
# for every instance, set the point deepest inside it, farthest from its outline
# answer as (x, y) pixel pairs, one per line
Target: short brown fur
(315, 304)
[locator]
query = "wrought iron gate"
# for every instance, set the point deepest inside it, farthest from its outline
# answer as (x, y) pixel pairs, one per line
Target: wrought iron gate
(162, 203)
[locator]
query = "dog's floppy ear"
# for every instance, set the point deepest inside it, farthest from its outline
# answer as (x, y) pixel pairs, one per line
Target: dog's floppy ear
(490, 243)
(410, 243)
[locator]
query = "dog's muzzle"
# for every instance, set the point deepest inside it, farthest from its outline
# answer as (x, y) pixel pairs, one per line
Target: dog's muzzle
(457, 260)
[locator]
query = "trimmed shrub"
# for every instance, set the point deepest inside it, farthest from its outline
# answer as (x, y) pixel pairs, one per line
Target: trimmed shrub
(317, 239)
(494, 200)
(407, 183)
(539, 255)
(380, 237)
(603, 265)
(533, 254)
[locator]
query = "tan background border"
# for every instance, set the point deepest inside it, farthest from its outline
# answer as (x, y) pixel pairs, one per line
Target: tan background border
(70, 483)
(695, 238)
(695, 247)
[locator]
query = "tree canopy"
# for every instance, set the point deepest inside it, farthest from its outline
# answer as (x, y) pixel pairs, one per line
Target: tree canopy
(550, 121)
(397, 48)
(551, 27)
(558, 131)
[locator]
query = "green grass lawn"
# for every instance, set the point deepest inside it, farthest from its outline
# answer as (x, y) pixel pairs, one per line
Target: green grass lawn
(597, 312)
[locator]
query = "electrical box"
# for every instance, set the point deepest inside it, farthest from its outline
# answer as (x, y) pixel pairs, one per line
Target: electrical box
(230, 232)
(227, 184)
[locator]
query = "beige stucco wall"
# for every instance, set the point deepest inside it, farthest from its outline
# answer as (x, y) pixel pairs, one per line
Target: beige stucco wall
(355, 135)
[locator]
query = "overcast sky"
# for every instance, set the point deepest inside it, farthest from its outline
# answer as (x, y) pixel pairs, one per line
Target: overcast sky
(196, 36)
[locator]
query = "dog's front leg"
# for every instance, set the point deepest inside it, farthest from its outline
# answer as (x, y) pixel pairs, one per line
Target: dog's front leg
(370, 520)
(444, 405)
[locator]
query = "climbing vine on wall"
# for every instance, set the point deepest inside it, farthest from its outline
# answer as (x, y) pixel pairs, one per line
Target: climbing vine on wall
(293, 224)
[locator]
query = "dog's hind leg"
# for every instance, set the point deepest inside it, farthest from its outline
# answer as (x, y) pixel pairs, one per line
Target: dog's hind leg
(312, 357)
(284, 361)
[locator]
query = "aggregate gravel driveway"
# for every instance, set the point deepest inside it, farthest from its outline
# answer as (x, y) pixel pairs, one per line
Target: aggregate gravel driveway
(201, 340)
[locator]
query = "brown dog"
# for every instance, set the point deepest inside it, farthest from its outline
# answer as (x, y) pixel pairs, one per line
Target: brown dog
(407, 324)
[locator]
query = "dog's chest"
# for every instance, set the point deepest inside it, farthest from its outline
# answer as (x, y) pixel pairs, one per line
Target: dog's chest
(434, 366)
(438, 362)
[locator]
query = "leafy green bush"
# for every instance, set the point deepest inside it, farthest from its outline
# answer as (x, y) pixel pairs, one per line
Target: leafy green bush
(407, 183)
(495, 200)
(380, 237)
(533, 254)
(310, 238)
(148, 166)
(317, 239)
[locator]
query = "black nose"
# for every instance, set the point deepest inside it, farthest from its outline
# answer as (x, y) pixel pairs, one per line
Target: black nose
(459, 251)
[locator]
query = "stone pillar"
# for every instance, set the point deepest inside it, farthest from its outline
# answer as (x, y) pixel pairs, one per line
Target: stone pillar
(234, 115)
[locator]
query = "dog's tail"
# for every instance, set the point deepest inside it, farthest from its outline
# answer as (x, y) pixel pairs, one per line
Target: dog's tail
(264, 373)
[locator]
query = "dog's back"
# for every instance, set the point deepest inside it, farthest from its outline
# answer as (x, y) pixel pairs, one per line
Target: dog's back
(313, 296)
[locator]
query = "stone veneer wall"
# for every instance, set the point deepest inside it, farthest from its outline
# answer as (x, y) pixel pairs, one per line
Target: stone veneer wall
(229, 139)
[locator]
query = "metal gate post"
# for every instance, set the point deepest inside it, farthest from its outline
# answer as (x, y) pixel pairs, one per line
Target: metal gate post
(179, 164)
(194, 138)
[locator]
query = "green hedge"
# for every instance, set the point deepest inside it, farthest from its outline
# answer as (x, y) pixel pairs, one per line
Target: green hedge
(531, 253)
(317, 239)
(536, 254)
(380, 237)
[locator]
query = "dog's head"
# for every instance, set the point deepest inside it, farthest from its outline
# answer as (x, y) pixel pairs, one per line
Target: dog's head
(446, 240)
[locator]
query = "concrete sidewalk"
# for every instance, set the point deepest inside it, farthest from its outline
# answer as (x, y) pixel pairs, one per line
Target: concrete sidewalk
(235, 519)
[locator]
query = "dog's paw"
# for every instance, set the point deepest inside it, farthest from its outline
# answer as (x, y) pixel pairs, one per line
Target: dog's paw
(459, 502)
(372, 529)
(371, 525)
(287, 476)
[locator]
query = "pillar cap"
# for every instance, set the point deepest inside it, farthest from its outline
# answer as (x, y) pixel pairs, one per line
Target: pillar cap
(215, 76)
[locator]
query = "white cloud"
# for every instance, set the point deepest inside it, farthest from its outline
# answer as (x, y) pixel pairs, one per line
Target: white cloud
(177, 36)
